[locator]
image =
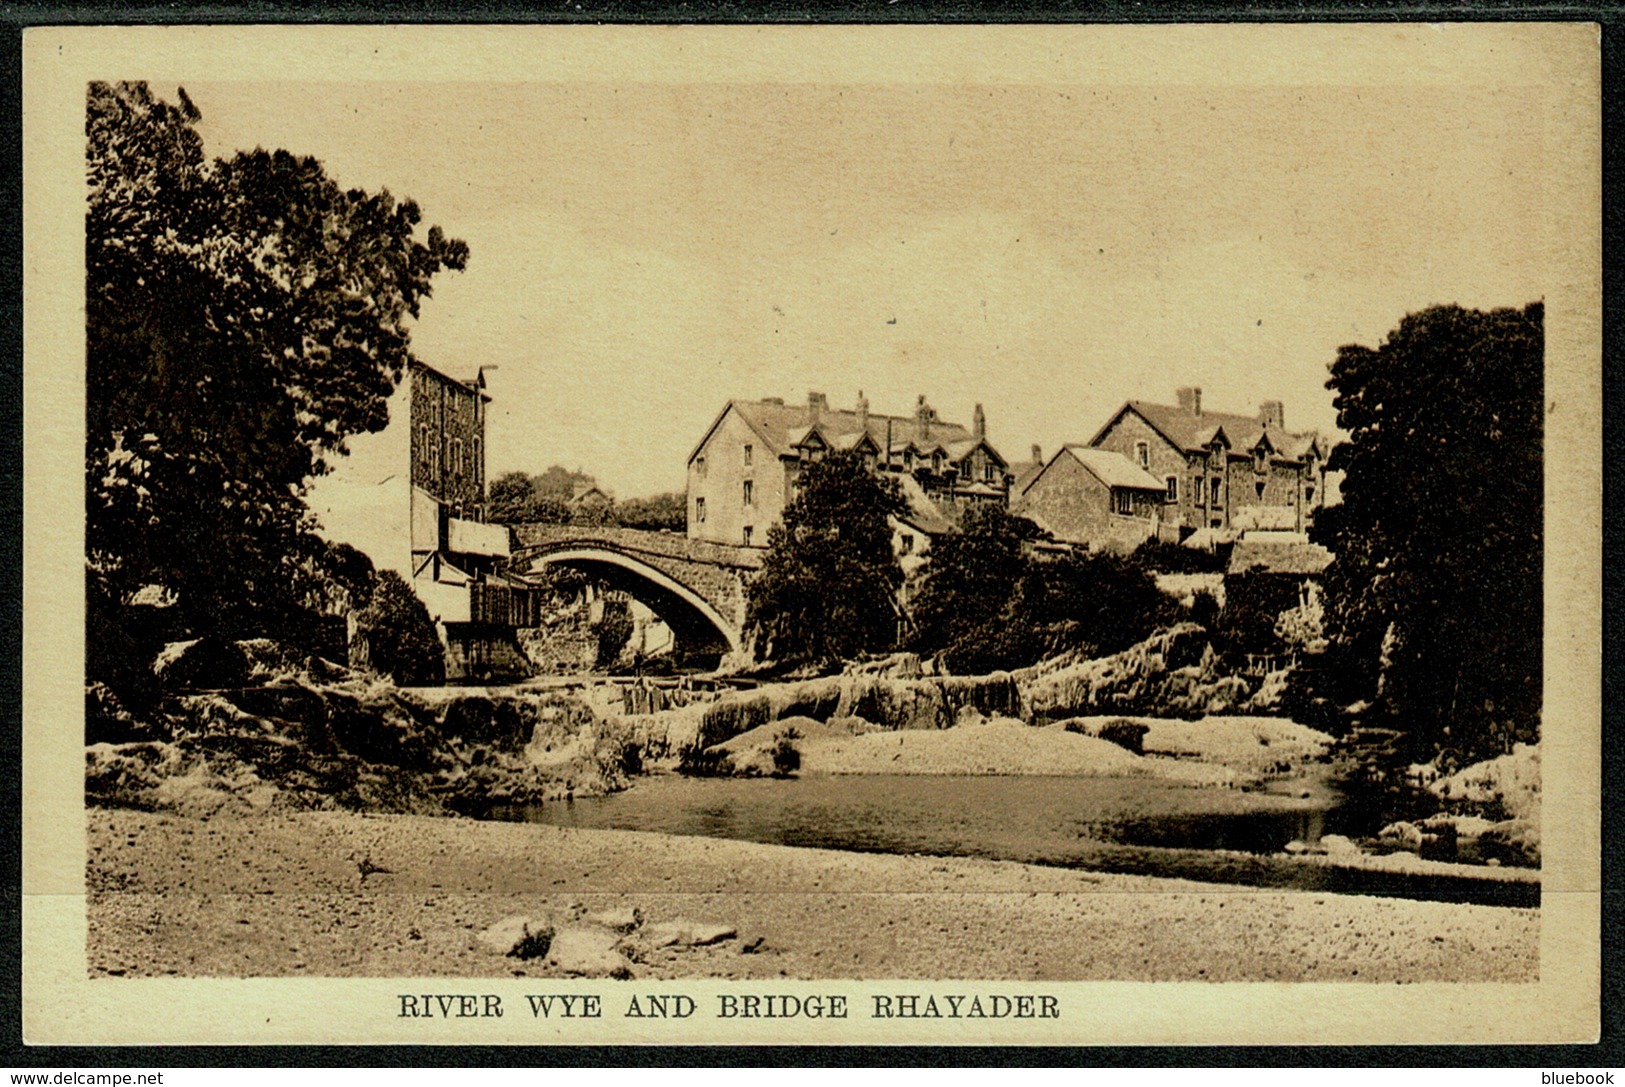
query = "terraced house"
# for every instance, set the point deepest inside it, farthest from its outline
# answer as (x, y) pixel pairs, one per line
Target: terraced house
(744, 470)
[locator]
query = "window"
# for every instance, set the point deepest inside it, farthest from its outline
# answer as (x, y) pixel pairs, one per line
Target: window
(457, 455)
(1213, 491)
(699, 511)
(748, 532)
(1142, 453)
(479, 460)
(1260, 461)
(987, 471)
(749, 450)
(1309, 493)
(699, 466)
(423, 443)
(1258, 485)
(906, 543)
(750, 493)
(1122, 502)
(1196, 489)
(1173, 488)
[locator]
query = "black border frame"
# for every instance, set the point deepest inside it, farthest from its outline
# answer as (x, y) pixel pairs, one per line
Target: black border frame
(15, 17)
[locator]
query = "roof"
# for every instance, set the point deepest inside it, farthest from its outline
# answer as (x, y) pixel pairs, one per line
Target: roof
(1113, 469)
(781, 426)
(475, 384)
(1268, 557)
(923, 513)
(1192, 432)
(1025, 473)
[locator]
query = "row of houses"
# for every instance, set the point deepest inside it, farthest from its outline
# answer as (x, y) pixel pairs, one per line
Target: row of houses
(414, 497)
(1174, 472)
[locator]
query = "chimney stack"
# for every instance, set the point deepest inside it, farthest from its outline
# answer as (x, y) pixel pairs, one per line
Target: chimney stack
(922, 420)
(863, 412)
(816, 403)
(1272, 413)
(1190, 399)
(979, 424)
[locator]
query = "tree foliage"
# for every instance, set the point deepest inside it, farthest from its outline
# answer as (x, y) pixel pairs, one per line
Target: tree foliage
(827, 590)
(657, 513)
(990, 602)
(398, 634)
(1434, 599)
(245, 316)
(969, 582)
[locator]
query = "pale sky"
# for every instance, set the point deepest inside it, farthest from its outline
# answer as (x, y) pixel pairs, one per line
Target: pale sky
(642, 252)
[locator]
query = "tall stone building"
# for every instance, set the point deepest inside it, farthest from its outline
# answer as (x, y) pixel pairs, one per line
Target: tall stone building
(412, 498)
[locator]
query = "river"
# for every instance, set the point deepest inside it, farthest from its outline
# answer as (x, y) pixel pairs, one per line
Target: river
(1131, 825)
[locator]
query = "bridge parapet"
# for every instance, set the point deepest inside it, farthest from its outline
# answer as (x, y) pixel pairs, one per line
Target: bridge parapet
(669, 544)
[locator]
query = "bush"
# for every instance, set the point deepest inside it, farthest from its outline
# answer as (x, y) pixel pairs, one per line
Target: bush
(786, 755)
(398, 636)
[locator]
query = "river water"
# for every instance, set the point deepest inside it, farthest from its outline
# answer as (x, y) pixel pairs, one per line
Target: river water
(1130, 825)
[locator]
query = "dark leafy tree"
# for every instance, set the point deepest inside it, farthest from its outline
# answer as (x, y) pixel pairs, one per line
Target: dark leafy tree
(1434, 598)
(657, 513)
(615, 629)
(398, 634)
(828, 586)
(245, 316)
(969, 581)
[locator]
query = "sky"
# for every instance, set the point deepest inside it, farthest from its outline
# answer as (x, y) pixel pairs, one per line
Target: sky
(642, 252)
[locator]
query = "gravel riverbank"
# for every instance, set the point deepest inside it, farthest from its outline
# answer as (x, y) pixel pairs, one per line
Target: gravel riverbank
(342, 894)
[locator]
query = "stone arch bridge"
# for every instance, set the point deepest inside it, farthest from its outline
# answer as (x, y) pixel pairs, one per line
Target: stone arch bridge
(696, 587)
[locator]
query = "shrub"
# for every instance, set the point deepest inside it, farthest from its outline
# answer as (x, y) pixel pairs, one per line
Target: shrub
(614, 631)
(786, 755)
(398, 636)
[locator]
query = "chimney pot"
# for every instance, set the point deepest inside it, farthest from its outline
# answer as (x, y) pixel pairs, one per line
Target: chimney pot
(980, 423)
(1038, 453)
(863, 411)
(815, 406)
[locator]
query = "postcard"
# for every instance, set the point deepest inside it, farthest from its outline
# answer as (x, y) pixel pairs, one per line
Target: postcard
(821, 534)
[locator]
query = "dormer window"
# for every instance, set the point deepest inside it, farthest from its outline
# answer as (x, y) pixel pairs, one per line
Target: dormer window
(1260, 459)
(936, 462)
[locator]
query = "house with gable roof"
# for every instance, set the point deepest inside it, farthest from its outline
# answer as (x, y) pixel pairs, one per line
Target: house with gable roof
(744, 469)
(1223, 474)
(1092, 497)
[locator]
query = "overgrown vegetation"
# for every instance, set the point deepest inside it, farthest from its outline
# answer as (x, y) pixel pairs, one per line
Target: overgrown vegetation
(1434, 601)
(988, 602)
(244, 318)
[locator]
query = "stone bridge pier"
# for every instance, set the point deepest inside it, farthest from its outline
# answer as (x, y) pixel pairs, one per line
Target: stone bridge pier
(696, 587)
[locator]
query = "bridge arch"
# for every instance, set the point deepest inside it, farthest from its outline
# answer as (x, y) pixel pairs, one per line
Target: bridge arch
(696, 623)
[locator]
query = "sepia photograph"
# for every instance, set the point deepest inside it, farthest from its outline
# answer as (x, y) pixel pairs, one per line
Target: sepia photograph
(825, 525)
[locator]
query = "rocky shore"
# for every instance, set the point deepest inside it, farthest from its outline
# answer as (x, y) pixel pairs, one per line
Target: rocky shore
(342, 894)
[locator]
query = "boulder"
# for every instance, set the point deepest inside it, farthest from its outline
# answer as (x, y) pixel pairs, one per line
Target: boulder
(588, 953)
(684, 933)
(624, 919)
(1406, 836)
(201, 664)
(518, 936)
(1336, 845)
